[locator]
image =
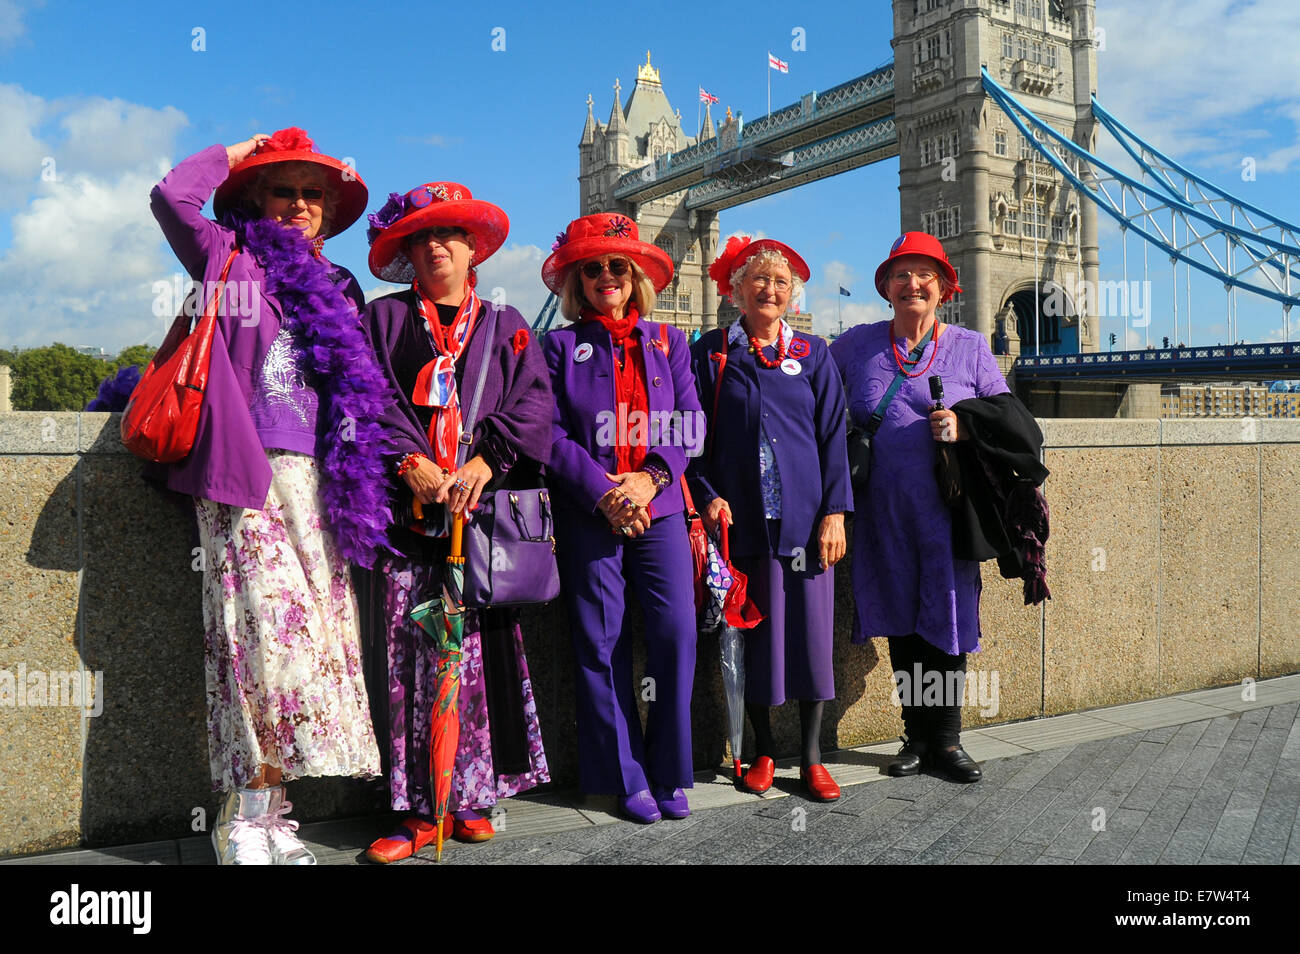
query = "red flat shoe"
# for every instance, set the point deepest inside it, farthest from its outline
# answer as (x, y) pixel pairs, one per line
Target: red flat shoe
(759, 777)
(819, 784)
(474, 830)
(419, 833)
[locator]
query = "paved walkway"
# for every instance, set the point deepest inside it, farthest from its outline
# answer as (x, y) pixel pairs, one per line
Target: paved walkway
(1205, 777)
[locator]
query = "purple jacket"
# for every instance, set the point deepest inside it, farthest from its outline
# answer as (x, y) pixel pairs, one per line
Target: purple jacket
(802, 413)
(228, 463)
(584, 428)
(516, 403)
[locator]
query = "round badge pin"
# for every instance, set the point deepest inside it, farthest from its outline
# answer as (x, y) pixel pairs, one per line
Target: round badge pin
(582, 353)
(790, 366)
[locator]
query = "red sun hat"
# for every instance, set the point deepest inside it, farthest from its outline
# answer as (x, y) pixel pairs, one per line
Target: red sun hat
(918, 243)
(604, 233)
(294, 145)
(740, 249)
(425, 207)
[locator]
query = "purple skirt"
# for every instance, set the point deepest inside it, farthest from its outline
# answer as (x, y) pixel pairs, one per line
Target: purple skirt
(789, 655)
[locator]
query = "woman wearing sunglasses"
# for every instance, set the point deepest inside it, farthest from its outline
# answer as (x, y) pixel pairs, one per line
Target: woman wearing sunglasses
(432, 340)
(775, 467)
(286, 473)
(625, 411)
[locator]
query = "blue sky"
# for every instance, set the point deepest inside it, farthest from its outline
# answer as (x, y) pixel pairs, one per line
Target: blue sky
(109, 96)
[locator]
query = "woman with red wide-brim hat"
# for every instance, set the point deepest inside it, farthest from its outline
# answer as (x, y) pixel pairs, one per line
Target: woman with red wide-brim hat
(775, 468)
(431, 340)
(283, 499)
(907, 582)
(626, 419)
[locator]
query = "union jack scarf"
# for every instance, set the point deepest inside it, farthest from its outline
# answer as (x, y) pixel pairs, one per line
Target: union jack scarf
(435, 385)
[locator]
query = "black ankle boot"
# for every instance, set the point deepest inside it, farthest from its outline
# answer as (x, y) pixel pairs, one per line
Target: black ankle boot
(909, 758)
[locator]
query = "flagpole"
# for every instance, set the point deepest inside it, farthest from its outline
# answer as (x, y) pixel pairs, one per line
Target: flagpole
(769, 84)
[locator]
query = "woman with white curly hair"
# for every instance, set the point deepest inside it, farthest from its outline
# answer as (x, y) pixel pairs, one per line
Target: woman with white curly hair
(775, 468)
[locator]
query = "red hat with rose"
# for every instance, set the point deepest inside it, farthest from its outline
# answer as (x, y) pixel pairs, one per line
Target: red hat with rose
(740, 249)
(605, 233)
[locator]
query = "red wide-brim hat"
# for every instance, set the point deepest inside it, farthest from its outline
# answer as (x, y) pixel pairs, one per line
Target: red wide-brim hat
(740, 249)
(294, 145)
(918, 243)
(605, 233)
(429, 206)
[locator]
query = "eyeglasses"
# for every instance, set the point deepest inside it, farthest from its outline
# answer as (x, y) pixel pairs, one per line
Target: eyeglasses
(440, 234)
(618, 267)
(290, 193)
(762, 281)
(902, 278)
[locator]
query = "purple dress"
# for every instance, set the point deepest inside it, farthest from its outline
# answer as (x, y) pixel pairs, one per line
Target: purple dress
(905, 577)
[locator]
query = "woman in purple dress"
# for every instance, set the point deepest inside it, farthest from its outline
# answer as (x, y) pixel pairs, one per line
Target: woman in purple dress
(287, 477)
(775, 467)
(907, 582)
(431, 339)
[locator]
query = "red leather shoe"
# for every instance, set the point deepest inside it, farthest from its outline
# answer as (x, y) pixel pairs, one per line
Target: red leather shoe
(474, 830)
(819, 784)
(418, 833)
(759, 777)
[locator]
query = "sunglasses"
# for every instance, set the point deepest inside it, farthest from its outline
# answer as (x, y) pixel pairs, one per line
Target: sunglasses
(618, 267)
(440, 234)
(289, 192)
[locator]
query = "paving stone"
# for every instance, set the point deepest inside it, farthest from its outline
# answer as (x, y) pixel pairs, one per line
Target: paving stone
(1283, 716)
(1151, 838)
(1107, 846)
(973, 858)
(1033, 768)
(1019, 853)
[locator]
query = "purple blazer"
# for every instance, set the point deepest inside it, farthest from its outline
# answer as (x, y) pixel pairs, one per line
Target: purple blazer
(228, 463)
(803, 415)
(584, 426)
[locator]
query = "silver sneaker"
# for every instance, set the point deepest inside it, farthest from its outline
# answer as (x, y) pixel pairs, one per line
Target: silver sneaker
(240, 834)
(286, 849)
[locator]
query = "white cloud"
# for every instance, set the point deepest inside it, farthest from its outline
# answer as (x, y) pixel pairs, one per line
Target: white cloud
(861, 307)
(513, 276)
(11, 19)
(109, 134)
(21, 115)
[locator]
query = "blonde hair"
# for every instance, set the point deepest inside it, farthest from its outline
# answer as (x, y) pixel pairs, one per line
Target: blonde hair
(767, 256)
(294, 173)
(572, 300)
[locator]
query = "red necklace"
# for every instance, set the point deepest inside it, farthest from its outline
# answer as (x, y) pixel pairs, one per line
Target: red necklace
(900, 359)
(756, 350)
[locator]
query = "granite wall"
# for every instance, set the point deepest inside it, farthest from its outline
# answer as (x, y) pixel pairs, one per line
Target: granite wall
(1172, 563)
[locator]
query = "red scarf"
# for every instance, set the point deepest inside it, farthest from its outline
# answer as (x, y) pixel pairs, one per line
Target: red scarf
(435, 385)
(631, 400)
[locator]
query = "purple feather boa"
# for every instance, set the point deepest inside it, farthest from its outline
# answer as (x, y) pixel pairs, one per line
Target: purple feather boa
(354, 484)
(115, 390)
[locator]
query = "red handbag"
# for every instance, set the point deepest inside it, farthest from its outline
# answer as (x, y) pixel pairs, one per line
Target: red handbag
(162, 415)
(738, 609)
(699, 545)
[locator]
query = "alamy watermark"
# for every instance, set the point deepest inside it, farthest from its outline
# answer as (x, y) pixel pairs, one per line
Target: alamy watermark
(38, 689)
(1107, 299)
(934, 688)
(182, 295)
(653, 429)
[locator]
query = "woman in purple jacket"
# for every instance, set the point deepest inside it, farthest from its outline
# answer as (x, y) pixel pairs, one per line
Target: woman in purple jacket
(626, 418)
(776, 469)
(287, 477)
(431, 339)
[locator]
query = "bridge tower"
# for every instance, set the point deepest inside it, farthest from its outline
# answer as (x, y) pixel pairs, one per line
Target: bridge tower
(1007, 221)
(637, 133)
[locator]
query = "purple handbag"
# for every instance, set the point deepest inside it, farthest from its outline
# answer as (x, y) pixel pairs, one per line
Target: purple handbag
(510, 542)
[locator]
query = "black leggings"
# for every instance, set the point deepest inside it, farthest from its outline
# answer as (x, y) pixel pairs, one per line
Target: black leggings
(938, 726)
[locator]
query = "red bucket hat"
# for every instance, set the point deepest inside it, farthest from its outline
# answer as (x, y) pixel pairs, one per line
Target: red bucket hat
(740, 249)
(294, 145)
(605, 233)
(425, 207)
(918, 243)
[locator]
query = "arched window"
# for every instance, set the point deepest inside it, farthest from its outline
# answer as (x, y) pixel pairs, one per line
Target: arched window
(665, 242)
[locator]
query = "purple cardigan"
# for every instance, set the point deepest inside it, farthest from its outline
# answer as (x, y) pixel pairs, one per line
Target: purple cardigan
(228, 463)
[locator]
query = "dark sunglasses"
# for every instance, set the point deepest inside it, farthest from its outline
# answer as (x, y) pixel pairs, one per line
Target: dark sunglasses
(618, 267)
(289, 192)
(439, 234)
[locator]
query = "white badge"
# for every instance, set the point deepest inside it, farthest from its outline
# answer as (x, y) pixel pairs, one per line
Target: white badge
(790, 366)
(582, 353)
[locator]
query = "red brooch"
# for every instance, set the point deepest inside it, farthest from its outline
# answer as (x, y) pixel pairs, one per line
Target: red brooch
(520, 340)
(799, 348)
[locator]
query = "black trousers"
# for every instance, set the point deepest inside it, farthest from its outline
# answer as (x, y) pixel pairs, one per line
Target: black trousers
(934, 722)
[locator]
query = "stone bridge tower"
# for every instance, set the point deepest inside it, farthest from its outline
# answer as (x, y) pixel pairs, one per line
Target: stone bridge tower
(637, 133)
(967, 175)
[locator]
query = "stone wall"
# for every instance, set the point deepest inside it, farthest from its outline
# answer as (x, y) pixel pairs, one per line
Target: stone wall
(1172, 563)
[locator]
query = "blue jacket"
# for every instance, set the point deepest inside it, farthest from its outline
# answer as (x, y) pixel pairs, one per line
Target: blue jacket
(803, 415)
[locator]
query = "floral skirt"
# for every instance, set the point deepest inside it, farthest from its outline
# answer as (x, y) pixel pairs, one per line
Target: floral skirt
(412, 688)
(281, 640)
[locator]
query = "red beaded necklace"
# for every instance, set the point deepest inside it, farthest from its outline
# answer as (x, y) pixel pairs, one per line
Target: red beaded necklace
(756, 349)
(900, 359)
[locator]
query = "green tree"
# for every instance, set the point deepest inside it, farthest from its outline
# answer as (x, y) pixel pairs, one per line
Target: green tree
(139, 355)
(55, 378)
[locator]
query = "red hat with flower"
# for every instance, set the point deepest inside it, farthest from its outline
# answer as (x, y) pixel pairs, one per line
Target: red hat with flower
(740, 249)
(294, 145)
(918, 243)
(605, 233)
(434, 204)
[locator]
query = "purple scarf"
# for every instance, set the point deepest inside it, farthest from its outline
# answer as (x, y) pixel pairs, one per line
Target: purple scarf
(354, 485)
